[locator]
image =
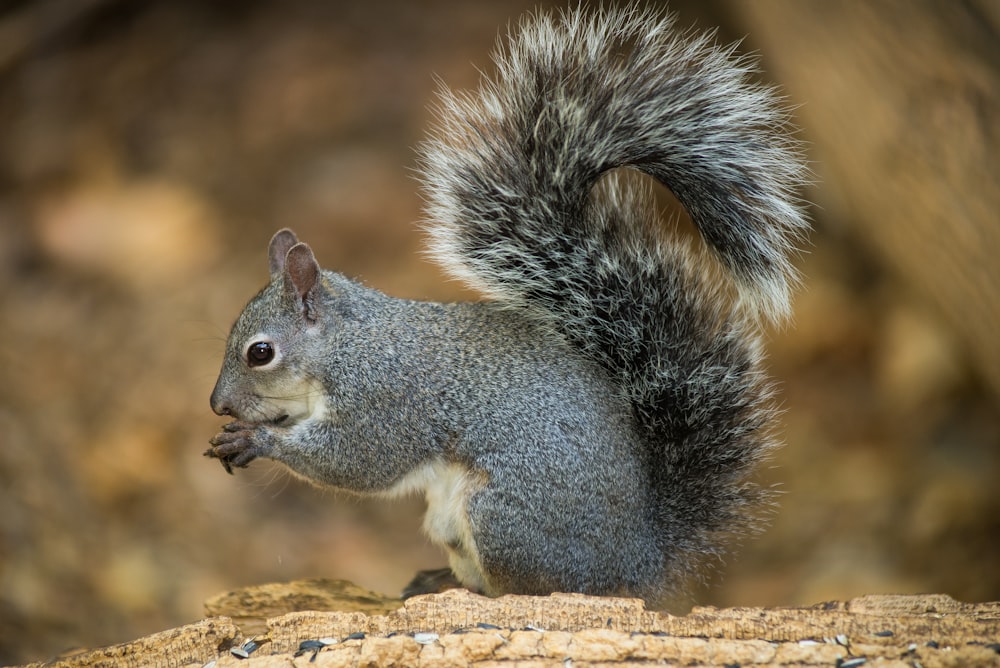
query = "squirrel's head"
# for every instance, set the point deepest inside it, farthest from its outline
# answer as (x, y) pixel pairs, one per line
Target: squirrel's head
(271, 351)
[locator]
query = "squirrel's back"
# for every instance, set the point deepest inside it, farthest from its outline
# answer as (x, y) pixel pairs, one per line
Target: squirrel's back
(521, 206)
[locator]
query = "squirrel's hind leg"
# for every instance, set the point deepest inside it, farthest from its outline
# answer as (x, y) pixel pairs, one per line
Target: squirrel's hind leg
(433, 581)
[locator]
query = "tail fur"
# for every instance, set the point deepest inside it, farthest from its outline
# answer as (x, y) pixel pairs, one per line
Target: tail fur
(510, 176)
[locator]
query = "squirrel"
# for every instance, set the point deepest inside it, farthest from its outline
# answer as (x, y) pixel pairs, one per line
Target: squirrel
(592, 426)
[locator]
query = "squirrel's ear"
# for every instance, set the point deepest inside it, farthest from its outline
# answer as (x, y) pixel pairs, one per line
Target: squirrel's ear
(278, 249)
(301, 276)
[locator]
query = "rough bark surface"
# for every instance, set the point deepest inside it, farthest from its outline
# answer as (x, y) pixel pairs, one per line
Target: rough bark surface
(457, 628)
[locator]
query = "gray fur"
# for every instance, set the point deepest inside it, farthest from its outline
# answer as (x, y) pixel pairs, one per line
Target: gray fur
(577, 94)
(593, 427)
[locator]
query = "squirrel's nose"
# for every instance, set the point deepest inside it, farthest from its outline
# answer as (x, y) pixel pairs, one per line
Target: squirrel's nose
(219, 405)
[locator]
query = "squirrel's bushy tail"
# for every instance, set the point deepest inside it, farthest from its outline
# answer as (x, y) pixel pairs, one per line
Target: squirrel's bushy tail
(510, 177)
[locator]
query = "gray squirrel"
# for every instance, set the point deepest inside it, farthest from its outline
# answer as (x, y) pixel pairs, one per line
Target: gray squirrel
(593, 425)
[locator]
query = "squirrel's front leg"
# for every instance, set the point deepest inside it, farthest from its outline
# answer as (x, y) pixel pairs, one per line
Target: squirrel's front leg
(239, 443)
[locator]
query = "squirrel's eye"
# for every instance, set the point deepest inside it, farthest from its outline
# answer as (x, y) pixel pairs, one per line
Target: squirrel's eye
(260, 353)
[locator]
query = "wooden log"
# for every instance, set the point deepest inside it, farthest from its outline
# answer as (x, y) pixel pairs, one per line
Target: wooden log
(188, 644)
(457, 628)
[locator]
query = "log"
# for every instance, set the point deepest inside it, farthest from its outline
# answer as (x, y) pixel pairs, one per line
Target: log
(185, 645)
(457, 628)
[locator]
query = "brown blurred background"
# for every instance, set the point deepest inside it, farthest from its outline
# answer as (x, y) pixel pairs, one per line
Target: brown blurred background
(149, 149)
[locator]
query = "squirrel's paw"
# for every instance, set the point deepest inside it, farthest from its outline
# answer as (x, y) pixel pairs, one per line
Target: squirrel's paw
(236, 445)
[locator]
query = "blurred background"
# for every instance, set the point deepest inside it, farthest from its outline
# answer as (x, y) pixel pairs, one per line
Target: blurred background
(149, 149)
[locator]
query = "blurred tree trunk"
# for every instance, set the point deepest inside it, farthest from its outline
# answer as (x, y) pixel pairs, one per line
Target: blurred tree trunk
(901, 103)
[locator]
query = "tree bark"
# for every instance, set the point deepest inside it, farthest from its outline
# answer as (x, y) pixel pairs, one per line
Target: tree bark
(457, 628)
